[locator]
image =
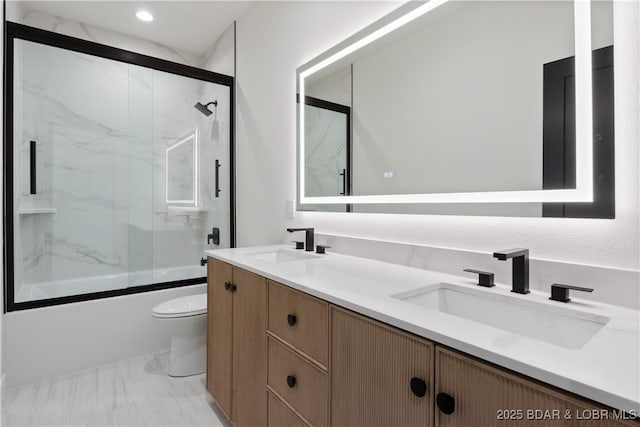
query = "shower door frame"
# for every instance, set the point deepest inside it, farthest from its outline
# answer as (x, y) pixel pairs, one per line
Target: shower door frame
(15, 31)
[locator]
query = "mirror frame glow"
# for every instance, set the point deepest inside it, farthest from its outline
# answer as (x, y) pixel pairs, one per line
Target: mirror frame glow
(407, 13)
(192, 136)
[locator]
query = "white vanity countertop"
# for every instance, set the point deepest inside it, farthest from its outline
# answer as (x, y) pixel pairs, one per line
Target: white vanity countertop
(606, 369)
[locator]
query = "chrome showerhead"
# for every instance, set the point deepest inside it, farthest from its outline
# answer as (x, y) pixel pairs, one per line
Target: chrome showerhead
(204, 108)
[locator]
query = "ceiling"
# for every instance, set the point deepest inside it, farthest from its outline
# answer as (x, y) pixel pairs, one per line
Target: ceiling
(191, 26)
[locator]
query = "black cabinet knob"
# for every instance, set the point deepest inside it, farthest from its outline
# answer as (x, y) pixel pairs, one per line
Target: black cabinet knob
(418, 386)
(446, 403)
(227, 286)
(233, 288)
(291, 381)
(291, 319)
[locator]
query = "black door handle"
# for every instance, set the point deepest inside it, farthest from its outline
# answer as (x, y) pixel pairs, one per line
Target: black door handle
(446, 403)
(291, 381)
(291, 319)
(32, 167)
(217, 177)
(418, 386)
(343, 174)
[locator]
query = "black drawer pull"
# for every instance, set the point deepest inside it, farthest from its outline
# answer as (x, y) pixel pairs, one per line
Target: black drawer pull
(291, 381)
(227, 286)
(291, 319)
(446, 403)
(418, 386)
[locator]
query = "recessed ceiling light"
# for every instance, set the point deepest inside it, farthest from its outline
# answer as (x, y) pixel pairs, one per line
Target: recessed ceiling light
(145, 16)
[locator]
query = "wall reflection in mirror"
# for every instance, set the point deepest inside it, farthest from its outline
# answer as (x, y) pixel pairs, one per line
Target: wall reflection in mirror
(470, 97)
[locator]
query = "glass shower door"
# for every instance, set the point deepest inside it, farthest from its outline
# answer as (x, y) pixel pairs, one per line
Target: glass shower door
(70, 120)
(191, 186)
(119, 180)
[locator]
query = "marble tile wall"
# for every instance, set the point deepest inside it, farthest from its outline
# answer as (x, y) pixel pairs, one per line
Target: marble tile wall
(215, 145)
(77, 138)
(611, 285)
(81, 30)
(220, 57)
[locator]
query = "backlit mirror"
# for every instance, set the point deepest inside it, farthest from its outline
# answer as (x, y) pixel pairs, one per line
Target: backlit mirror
(456, 104)
(182, 170)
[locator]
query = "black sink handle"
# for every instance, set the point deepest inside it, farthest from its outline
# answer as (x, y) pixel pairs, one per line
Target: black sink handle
(485, 278)
(560, 292)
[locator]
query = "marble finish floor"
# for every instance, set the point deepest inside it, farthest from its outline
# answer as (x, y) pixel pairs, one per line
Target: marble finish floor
(133, 392)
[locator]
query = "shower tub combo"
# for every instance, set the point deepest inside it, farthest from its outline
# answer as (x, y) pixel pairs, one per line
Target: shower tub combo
(116, 198)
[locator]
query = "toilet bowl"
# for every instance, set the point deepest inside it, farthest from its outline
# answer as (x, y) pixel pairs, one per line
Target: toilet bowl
(185, 319)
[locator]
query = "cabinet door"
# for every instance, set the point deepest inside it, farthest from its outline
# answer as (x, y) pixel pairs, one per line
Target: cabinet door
(484, 395)
(372, 367)
(249, 349)
(219, 333)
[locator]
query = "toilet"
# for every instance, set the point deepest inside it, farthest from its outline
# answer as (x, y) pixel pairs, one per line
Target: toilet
(185, 319)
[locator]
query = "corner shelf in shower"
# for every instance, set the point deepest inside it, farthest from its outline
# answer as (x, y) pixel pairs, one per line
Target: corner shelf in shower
(37, 211)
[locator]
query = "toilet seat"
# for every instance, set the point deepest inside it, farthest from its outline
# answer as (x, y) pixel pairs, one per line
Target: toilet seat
(191, 305)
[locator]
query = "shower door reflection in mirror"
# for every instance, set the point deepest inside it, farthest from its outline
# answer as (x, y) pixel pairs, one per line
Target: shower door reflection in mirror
(328, 154)
(91, 207)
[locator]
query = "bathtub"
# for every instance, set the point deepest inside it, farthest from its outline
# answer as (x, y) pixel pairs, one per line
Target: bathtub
(85, 285)
(45, 342)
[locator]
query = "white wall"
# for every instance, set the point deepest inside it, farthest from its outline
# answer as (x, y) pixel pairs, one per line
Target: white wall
(273, 39)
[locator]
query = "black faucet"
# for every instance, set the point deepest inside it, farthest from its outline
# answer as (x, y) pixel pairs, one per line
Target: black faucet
(308, 241)
(520, 268)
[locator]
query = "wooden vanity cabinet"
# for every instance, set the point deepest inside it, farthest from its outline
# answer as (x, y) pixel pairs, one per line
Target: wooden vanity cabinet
(280, 357)
(379, 375)
(219, 333)
(280, 415)
(480, 394)
(236, 342)
(372, 365)
(298, 351)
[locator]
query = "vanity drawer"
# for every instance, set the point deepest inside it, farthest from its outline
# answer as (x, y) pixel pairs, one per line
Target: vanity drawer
(302, 385)
(280, 415)
(301, 320)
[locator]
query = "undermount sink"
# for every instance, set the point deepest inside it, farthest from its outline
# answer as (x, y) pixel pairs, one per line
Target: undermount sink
(283, 255)
(534, 319)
